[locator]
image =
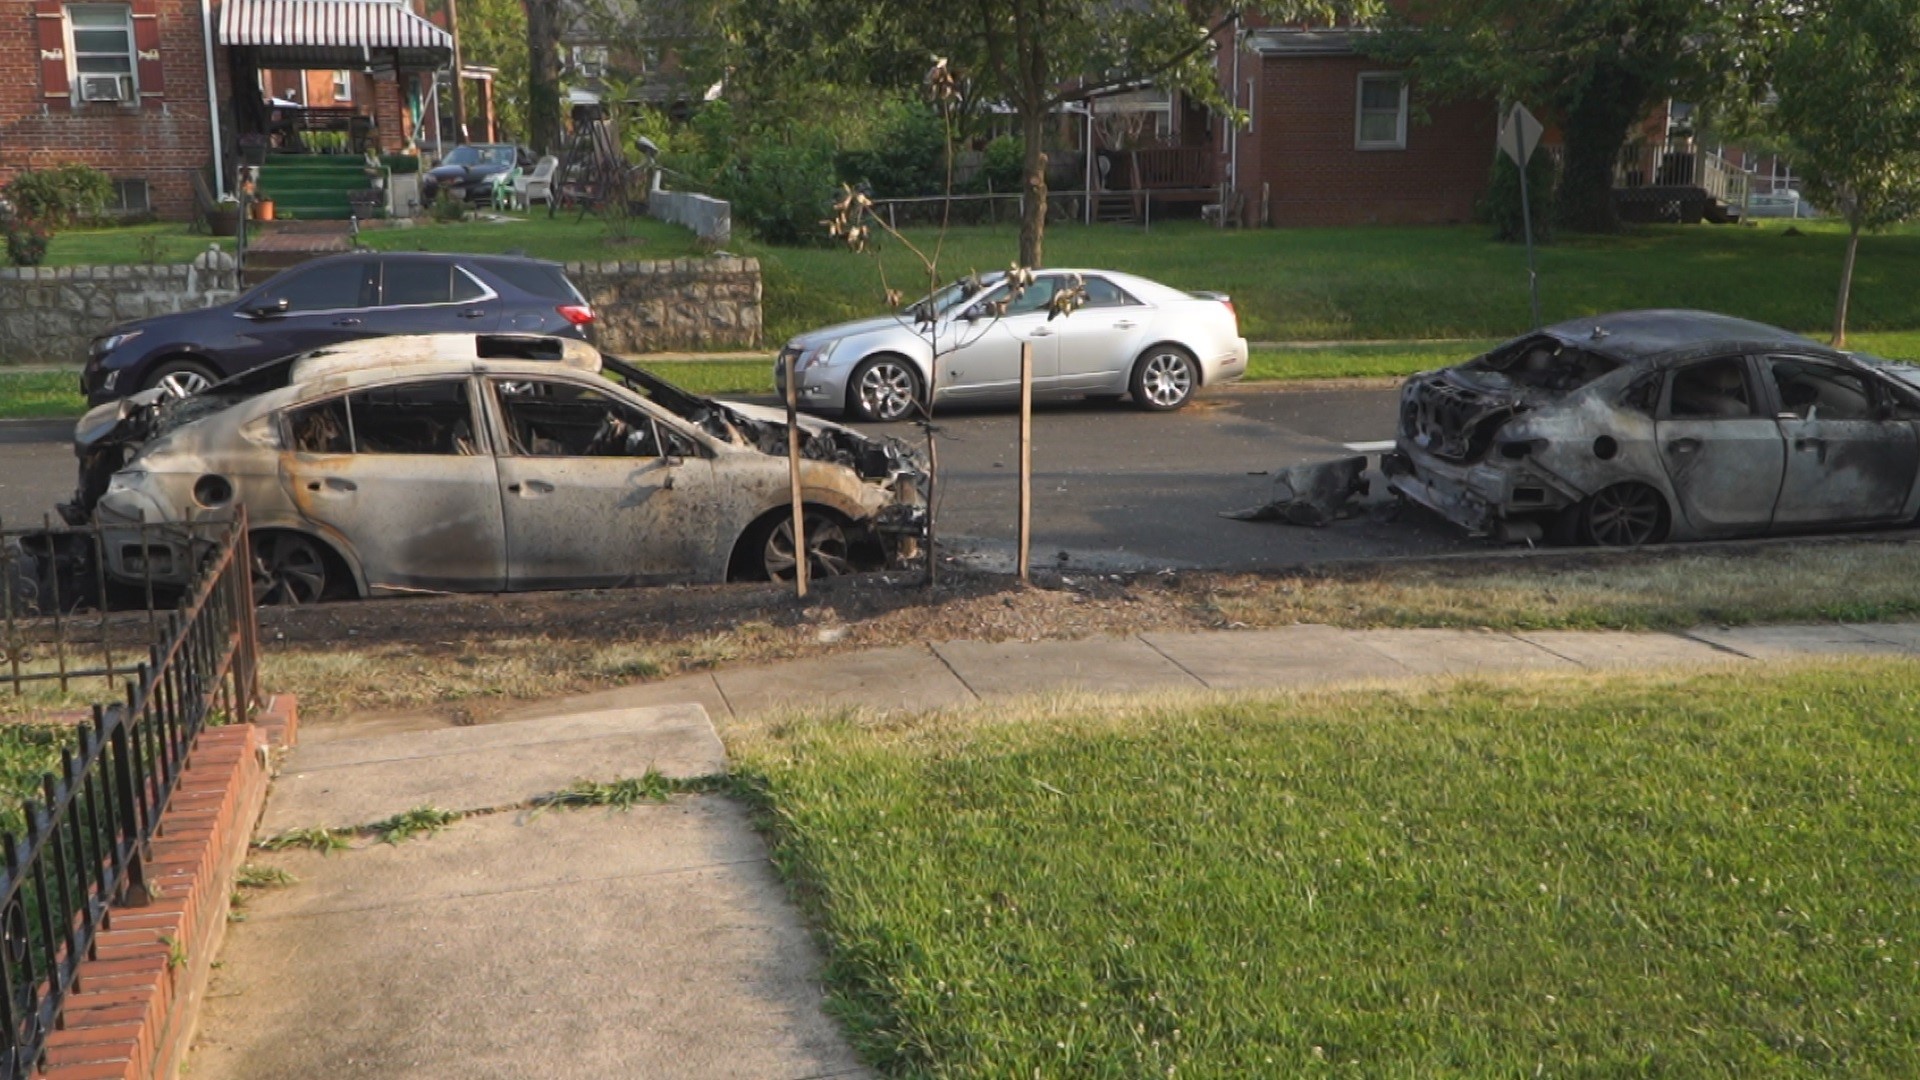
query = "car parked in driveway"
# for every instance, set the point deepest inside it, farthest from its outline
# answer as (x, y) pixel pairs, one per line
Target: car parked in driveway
(1131, 336)
(334, 299)
(463, 462)
(469, 170)
(1643, 426)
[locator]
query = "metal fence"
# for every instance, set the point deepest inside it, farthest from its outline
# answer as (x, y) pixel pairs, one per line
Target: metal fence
(85, 841)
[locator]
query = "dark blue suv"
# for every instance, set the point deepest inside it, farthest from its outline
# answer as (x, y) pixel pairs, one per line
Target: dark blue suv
(337, 298)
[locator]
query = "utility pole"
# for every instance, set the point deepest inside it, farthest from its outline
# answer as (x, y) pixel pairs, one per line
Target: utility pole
(459, 92)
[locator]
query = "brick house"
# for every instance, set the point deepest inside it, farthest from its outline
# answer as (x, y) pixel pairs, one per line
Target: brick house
(1336, 138)
(149, 91)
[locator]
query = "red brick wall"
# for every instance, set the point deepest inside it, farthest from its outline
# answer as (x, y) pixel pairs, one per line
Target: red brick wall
(160, 141)
(1302, 147)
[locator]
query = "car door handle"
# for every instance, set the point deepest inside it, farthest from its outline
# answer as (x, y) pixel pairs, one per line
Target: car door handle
(332, 483)
(531, 489)
(1809, 443)
(1683, 446)
(473, 313)
(1125, 324)
(1041, 332)
(346, 322)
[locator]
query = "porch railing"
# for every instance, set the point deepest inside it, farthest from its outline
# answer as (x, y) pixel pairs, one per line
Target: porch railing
(1187, 167)
(1681, 163)
(84, 843)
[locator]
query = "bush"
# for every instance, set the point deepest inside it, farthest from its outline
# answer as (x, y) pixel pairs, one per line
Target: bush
(1003, 166)
(782, 193)
(908, 155)
(1501, 205)
(27, 240)
(401, 164)
(60, 195)
(448, 207)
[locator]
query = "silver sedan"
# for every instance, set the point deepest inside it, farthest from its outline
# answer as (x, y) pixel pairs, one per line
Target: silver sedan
(1130, 336)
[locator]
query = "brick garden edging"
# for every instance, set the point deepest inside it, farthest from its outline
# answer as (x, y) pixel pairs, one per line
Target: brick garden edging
(134, 1005)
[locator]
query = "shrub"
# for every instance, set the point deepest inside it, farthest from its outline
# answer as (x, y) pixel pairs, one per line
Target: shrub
(1004, 162)
(1500, 207)
(400, 164)
(782, 193)
(448, 207)
(27, 240)
(908, 155)
(60, 195)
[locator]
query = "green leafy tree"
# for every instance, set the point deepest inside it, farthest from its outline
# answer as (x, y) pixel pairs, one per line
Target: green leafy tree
(493, 33)
(1846, 105)
(543, 75)
(1595, 67)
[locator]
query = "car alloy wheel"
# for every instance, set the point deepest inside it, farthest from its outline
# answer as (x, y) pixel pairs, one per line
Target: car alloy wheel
(1625, 515)
(830, 554)
(885, 389)
(1164, 380)
(181, 379)
(288, 569)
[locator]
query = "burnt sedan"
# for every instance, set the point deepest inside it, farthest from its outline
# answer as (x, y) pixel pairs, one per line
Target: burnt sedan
(1643, 426)
(483, 463)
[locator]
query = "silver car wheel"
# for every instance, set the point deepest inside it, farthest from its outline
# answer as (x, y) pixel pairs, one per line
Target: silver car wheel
(829, 553)
(287, 569)
(885, 389)
(180, 379)
(1165, 380)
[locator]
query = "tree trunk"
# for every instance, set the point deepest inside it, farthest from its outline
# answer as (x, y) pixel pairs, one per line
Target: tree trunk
(1033, 205)
(1597, 123)
(459, 89)
(1846, 285)
(543, 75)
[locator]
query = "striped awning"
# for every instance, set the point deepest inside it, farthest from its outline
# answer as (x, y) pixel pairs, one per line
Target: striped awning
(333, 32)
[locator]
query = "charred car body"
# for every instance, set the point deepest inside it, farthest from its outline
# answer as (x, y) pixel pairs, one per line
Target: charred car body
(482, 463)
(1642, 426)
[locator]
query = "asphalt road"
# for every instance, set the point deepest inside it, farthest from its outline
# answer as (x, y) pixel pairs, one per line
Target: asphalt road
(1114, 488)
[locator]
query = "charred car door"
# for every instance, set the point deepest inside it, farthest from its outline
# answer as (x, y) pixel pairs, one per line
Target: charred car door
(400, 475)
(1722, 452)
(1852, 452)
(598, 491)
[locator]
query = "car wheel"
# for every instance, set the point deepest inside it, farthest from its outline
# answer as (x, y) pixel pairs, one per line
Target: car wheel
(1624, 515)
(288, 569)
(182, 378)
(1164, 378)
(829, 552)
(884, 389)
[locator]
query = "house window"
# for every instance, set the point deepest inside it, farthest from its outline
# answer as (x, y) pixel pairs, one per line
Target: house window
(131, 197)
(1381, 113)
(101, 36)
(343, 86)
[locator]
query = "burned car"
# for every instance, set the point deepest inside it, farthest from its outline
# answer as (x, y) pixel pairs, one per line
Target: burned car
(482, 463)
(1644, 426)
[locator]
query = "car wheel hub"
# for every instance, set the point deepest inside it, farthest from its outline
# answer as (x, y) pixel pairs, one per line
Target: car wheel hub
(829, 554)
(886, 391)
(287, 570)
(1167, 379)
(183, 383)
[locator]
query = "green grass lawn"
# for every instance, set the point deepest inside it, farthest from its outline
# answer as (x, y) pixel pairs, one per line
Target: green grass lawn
(1375, 283)
(28, 751)
(562, 239)
(122, 246)
(1698, 876)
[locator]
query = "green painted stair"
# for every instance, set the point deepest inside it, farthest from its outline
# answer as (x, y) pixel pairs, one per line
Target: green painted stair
(312, 187)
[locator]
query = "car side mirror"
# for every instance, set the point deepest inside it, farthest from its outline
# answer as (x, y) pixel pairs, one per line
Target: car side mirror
(269, 308)
(974, 313)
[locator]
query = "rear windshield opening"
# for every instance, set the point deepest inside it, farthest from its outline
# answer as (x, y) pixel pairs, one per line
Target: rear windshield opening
(1545, 363)
(540, 279)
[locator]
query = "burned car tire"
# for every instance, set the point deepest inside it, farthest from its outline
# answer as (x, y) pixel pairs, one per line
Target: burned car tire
(883, 389)
(1164, 378)
(1624, 515)
(182, 378)
(830, 553)
(289, 569)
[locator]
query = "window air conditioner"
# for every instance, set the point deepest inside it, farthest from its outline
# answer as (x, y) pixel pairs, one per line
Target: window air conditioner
(106, 87)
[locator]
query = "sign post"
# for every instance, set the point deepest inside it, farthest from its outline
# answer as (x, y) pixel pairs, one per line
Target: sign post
(1519, 136)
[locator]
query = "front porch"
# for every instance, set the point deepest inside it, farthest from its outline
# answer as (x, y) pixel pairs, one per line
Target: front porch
(1674, 180)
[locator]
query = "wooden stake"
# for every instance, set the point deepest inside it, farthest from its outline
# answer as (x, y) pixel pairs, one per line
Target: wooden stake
(1026, 457)
(800, 554)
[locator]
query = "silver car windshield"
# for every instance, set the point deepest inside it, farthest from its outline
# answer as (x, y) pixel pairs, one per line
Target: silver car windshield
(942, 302)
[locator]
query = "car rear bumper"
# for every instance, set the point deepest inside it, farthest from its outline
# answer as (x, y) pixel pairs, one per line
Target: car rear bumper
(1484, 498)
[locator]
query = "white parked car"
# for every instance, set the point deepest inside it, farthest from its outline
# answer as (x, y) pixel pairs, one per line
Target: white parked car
(1131, 336)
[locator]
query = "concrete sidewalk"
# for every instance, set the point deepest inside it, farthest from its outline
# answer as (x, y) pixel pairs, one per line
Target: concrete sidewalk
(658, 942)
(959, 673)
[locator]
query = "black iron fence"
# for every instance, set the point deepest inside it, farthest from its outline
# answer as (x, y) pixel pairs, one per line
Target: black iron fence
(85, 841)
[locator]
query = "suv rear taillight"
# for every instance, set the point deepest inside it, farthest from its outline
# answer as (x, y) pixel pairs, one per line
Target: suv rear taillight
(577, 314)
(1227, 303)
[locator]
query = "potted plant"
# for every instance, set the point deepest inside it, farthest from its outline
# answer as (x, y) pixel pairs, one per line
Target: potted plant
(224, 218)
(263, 208)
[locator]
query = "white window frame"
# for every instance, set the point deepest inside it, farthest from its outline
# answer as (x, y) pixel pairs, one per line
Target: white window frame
(1360, 141)
(75, 75)
(342, 85)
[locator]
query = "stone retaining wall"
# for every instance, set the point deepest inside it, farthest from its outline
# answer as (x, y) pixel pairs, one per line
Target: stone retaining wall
(48, 314)
(690, 305)
(710, 219)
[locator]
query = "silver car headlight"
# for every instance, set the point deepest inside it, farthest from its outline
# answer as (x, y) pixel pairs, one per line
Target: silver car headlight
(815, 355)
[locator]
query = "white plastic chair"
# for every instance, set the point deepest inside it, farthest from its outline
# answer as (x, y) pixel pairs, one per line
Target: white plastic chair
(536, 186)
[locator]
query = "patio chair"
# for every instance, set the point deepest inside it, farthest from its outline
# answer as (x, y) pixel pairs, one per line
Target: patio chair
(504, 185)
(536, 186)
